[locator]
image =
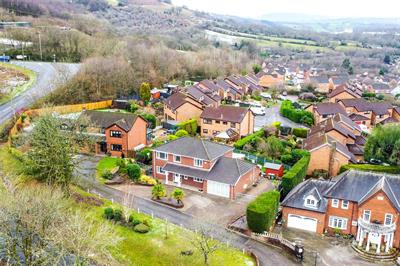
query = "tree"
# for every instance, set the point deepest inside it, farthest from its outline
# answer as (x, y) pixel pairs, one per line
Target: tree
(158, 191)
(346, 63)
(144, 92)
(387, 59)
(256, 68)
(181, 133)
(273, 147)
(151, 119)
(350, 70)
(49, 158)
(134, 171)
(384, 144)
(178, 194)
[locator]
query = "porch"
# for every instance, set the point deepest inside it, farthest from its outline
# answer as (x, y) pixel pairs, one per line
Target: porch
(375, 236)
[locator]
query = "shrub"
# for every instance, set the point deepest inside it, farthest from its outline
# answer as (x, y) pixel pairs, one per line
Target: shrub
(172, 137)
(190, 126)
(261, 212)
(118, 215)
(121, 163)
(151, 119)
(181, 133)
(178, 194)
(133, 221)
(134, 171)
(107, 174)
(147, 222)
(295, 175)
(371, 168)
(158, 191)
(147, 180)
(141, 228)
(300, 132)
(109, 213)
(144, 156)
(134, 107)
(287, 159)
(296, 115)
(240, 143)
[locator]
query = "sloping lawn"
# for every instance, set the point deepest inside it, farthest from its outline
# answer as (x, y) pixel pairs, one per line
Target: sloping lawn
(154, 248)
(106, 163)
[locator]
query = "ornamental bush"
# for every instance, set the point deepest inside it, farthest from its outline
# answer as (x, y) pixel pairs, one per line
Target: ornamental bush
(134, 171)
(181, 133)
(118, 215)
(109, 213)
(190, 126)
(107, 174)
(295, 175)
(141, 228)
(300, 132)
(261, 212)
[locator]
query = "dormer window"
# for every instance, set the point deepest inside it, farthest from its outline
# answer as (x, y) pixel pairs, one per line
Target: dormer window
(310, 202)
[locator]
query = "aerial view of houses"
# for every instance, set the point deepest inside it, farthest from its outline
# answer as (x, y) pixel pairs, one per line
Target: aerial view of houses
(155, 132)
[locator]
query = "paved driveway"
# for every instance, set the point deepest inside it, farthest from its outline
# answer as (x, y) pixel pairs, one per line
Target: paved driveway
(49, 75)
(272, 115)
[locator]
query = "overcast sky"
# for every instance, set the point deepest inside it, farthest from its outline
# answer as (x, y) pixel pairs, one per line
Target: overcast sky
(328, 8)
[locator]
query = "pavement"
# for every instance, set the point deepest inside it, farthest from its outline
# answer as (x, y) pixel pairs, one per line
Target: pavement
(272, 115)
(49, 75)
(267, 255)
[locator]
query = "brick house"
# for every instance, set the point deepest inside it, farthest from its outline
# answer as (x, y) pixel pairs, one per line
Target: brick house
(180, 107)
(323, 83)
(374, 112)
(323, 111)
(203, 166)
(119, 133)
(363, 204)
(216, 120)
(344, 91)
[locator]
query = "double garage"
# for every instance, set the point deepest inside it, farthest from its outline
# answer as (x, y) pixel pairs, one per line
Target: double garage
(302, 222)
(218, 189)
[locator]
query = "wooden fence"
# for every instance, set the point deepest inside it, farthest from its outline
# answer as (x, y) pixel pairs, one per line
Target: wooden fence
(63, 109)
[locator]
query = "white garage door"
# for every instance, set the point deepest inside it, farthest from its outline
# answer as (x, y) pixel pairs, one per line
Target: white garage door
(217, 188)
(302, 222)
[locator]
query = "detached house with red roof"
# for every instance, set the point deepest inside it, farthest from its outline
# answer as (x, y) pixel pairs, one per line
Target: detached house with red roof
(363, 204)
(204, 166)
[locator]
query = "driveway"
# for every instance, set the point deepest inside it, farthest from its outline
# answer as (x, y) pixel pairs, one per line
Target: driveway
(49, 75)
(272, 115)
(267, 255)
(324, 250)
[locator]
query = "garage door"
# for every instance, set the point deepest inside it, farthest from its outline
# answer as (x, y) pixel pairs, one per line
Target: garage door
(302, 222)
(217, 188)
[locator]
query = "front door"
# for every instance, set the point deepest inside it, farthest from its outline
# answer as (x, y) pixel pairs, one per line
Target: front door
(177, 179)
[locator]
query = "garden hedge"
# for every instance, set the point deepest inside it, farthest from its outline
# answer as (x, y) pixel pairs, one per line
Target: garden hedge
(300, 132)
(261, 212)
(296, 115)
(295, 175)
(372, 168)
(190, 126)
(241, 142)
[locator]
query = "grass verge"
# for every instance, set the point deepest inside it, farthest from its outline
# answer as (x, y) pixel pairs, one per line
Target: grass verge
(18, 90)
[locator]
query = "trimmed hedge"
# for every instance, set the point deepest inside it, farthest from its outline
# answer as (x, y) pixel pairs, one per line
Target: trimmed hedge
(241, 142)
(296, 115)
(300, 132)
(190, 126)
(261, 212)
(295, 175)
(372, 168)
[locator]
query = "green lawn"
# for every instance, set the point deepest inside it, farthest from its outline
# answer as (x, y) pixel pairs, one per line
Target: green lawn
(18, 90)
(106, 163)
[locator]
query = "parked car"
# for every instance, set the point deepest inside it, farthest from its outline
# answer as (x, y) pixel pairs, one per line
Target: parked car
(5, 58)
(258, 110)
(21, 57)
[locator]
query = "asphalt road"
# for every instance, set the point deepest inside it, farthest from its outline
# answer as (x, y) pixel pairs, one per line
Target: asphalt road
(49, 75)
(272, 115)
(267, 255)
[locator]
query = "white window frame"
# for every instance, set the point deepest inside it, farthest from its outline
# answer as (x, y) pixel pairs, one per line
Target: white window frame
(335, 203)
(159, 157)
(391, 218)
(160, 170)
(177, 161)
(335, 221)
(198, 162)
(312, 200)
(198, 180)
(114, 145)
(347, 204)
(369, 215)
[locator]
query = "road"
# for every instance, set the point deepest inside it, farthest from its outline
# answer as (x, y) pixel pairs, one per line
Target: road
(49, 75)
(272, 115)
(85, 173)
